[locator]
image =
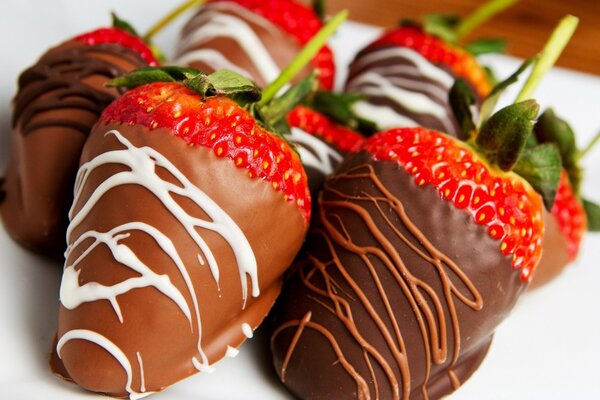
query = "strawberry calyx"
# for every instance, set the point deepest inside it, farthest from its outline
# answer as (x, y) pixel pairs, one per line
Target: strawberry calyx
(503, 137)
(120, 37)
(501, 201)
(551, 129)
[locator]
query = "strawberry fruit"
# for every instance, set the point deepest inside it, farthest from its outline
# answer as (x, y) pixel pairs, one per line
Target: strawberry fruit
(183, 173)
(421, 247)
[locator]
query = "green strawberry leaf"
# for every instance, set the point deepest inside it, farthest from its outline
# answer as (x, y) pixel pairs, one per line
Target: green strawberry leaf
(503, 136)
(223, 82)
(541, 167)
(592, 211)
(238, 87)
(442, 26)
(339, 108)
(178, 73)
(461, 98)
(123, 25)
(319, 8)
(146, 75)
(407, 22)
(551, 128)
(488, 106)
(278, 108)
(279, 129)
(486, 46)
(141, 76)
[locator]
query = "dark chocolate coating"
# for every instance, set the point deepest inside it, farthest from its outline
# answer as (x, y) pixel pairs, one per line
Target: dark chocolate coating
(402, 73)
(58, 101)
(153, 328)
(396, 295)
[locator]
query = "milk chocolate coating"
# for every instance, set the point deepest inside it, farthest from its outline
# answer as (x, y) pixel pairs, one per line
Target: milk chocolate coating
(396, 295)
(555, 256)
(155, 336)
(204, 31)
(409, 90)
(58, 101)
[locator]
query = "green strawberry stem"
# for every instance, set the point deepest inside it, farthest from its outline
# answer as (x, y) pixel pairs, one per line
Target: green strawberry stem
(164, 22)
(583, 152)
(303, 58)
(549, 54)
(481, 15)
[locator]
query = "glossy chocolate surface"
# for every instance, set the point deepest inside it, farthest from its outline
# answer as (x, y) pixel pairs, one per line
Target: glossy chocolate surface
(396, 294)
(188, 260)
(59, 100)
(225, 35)
(555, 255)
(401, 89)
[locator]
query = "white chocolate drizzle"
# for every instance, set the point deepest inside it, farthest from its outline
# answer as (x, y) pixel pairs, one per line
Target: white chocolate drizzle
(228, 20)
(142, 164)
(231, 352)
(111, 348)
(142, 377)
(426, 94)
(314, 152)
(247, 330)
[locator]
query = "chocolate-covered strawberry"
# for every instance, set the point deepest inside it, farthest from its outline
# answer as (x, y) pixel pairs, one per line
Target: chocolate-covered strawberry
(253, 37)
(406, 74)
(570, 216)
(421, 247)
(188, 210)
(172, 259)
(58, 101)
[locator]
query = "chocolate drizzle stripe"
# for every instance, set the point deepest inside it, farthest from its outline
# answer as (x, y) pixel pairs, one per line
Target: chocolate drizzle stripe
(56, 82)
(425, 303)
(363, 388)
(402, 87)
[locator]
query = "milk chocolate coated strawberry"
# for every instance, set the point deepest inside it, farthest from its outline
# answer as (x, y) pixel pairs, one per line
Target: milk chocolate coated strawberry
(59, 100)
(186, 214)
(253, 37)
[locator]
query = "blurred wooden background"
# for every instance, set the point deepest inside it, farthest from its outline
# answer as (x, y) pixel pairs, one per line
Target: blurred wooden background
(526, 25)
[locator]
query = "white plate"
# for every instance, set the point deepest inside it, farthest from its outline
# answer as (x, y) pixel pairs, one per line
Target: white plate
(548, 349)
